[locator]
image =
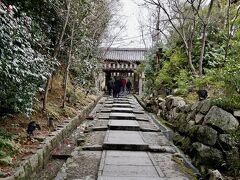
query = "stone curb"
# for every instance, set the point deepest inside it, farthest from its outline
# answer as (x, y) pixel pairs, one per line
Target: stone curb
(40, 158)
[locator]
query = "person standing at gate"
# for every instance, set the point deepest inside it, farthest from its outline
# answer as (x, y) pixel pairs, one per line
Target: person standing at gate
(129, 86)
(123, 85)
(117, 87)
(110, 87)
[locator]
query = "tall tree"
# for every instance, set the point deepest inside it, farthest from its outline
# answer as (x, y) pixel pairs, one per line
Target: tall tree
(68, 6)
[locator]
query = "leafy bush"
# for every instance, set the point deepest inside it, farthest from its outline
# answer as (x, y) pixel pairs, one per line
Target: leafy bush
(229, 102)
(170, 73)
(23, 69)
(183, 82)
(7, 147)
(4, 134)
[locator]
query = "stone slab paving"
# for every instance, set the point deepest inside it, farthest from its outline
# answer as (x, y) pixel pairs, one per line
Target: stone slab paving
(126, 116)
(147, 126)
(103, 115)
(108, 105)
(127, 164)
(119, 109)
(125, 147)
(106, 110)
(141, 117)
(82, 165)
(155, 138)
(121, 101)
(124, 140)
(121, 105)
(138, 111)
(124, 125)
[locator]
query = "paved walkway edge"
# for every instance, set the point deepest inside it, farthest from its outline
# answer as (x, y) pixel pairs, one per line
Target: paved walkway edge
(40, 158)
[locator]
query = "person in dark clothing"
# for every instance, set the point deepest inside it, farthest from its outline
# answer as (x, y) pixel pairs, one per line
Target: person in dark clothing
(117, 88)
(129, 86)
(110, 87)
(123, 85)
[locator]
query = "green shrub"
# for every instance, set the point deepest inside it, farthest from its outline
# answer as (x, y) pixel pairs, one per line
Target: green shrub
(183, 81)
(228, 102)
(4, 134)
(23, 69)
(173, 73)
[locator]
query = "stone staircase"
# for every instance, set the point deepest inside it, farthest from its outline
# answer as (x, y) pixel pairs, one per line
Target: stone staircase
(132, 147)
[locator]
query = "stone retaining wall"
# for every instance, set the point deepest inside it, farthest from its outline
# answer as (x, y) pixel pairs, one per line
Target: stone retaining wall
(40, 158)
(202, 130)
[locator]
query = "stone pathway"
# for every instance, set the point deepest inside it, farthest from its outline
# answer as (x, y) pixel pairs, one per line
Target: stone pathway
(121, 143)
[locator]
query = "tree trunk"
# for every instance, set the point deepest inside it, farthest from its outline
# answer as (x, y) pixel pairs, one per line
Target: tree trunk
(67, 69)
(55, 56)
(204, 38)
(202, 50)
(189, 53)
(230, 28)
(188, 49)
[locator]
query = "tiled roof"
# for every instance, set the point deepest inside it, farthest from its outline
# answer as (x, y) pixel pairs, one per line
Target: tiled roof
(128, 54)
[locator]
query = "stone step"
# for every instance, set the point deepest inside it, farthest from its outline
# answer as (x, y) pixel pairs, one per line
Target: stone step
(121, 101)
(121, 105)
(128, 165)
(130, 178)
(106, 110)
(118, 109)
(124, 140)
(138, 112)
(123, 116)
(130, 125)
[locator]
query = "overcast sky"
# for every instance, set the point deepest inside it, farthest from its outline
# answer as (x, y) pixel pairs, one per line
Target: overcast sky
(130, 14)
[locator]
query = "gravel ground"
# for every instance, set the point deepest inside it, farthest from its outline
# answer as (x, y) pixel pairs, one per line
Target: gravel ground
(97, 123)
(170, 168)
(147, 125)
(155, 138)
(83, 164)
(94, 138)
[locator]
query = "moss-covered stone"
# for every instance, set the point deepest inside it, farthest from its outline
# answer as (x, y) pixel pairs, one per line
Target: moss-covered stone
(208, 156)
(184, 143)
(207, 135)
(183, 168)
(40, 158)
(34, 162)
(192, 131)
(27, 168)
(226, 141)
(20, 173)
